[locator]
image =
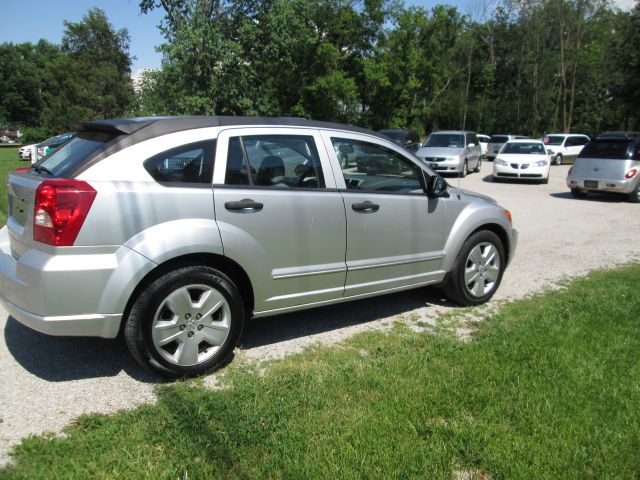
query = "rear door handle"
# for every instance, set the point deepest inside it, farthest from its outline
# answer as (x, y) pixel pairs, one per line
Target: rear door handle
(245, 205)
(365, 207)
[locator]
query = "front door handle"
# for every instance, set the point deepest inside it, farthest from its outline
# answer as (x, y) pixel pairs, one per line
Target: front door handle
(245, 205)
(365, 207)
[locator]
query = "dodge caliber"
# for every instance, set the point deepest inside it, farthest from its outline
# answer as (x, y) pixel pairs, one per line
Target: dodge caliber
(174, 231)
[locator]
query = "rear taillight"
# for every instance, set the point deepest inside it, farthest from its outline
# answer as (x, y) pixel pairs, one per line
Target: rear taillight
(630, 174)
(60, 209)
(23, 169)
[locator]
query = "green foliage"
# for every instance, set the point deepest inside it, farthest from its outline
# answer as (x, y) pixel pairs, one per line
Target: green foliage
(33, 135)
(91, 79)
(547, 388)
(9, 161)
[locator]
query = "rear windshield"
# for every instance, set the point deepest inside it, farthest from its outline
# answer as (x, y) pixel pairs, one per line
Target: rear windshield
(499, 139)
(615, 149)
(74, 153)
(555, 139)
(452, 140)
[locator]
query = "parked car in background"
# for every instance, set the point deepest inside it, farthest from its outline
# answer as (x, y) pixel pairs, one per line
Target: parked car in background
(405, 138)
(133, 224)
(522, 160)
(45, 148)
(610, 163)
(5, 139)
(27, 152)
(565, 147)
(484, 143)
(497, 141)
(452, 151)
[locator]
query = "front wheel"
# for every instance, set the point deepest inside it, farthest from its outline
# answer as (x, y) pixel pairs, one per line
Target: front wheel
(559, 159)
(186, 322)
(477, 270)
(465, 170)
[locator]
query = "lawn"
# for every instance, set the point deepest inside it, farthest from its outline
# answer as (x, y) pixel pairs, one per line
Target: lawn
(549, 387)
(8, 162)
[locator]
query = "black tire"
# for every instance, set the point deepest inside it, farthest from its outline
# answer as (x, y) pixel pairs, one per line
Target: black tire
(578, 193)
(634, 197)
(153, 303)
(460, 291)
(559, 159)
(544, 181)
(465, 170)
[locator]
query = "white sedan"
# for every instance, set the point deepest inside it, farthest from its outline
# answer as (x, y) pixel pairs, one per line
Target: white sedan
(522, 160)
(27, 152)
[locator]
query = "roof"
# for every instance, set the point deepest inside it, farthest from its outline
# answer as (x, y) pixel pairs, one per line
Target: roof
(156, 126)
(525, 140)
(460, 132)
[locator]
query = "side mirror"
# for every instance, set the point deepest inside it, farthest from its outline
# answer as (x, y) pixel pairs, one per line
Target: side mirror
(437, 186)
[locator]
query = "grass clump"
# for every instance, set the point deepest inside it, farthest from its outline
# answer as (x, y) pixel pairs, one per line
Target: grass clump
(549, 387)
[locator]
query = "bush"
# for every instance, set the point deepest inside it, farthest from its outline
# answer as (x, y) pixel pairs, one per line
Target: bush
(34, 135)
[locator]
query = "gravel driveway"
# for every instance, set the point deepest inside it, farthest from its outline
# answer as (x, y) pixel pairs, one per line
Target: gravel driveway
(46, 382)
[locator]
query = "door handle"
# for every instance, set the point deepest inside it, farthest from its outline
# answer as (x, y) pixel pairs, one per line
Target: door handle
(245, 205)
(365, 207)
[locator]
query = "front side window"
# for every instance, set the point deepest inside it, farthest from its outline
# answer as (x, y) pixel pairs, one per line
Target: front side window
(280, 161)
(371, 167)
(187, 164)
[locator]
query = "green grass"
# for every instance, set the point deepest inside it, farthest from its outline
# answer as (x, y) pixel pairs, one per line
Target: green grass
(8, 162)
(548, 388)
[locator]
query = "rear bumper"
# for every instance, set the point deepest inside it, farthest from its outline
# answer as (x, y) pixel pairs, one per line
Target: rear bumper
(77, 294)
(610, 185)
(105, 326)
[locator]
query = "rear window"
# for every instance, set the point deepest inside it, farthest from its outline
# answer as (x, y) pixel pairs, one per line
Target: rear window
(73, 154)
(615, 149)
(499, 139)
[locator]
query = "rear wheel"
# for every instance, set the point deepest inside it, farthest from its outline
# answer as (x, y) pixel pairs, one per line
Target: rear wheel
(578, 193)
(559, 159)
(186, 322)
(477, 270)
(477, 169)
(634, 197)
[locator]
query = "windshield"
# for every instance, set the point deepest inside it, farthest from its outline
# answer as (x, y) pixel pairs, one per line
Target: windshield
(614, 149)
(533, 148)
(72, 154)
(499, 138)
(450, 140)
(555, 140)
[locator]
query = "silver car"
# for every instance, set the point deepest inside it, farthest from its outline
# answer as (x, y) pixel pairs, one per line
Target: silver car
(173, 231)
(610, 163)
(452, 151)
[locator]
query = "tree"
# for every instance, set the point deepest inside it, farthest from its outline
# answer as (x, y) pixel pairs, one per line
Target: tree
(91, 79)
(22, 74)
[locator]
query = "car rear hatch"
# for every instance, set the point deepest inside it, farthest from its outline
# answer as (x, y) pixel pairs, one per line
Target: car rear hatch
(605, 159)
(45, 202)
